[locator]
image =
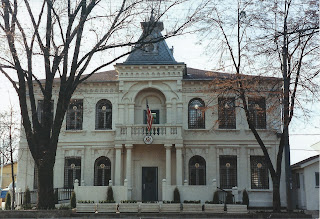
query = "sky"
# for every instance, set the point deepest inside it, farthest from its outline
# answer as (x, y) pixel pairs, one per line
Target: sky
(303, 132)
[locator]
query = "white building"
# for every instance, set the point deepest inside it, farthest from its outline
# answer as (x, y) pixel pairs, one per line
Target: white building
(196, 146)
(306, 178)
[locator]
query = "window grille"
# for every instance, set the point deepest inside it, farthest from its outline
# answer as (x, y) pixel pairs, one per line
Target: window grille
(102, 171)
(35, 177)
(257, 110)
(259, 173)
(103, 115)
(41, 113)
(72, 171)
(228, 171)
(75, 115)
(196, 114)
(197, 170)
(227, 113)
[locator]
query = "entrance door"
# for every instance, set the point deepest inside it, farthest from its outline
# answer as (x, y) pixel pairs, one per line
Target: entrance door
(149, 183)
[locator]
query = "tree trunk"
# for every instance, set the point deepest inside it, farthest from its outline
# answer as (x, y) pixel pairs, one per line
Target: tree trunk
(45, 185)
(276, 195)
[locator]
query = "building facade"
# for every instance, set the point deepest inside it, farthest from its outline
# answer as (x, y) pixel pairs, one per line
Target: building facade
(198, 142)
(306, 183)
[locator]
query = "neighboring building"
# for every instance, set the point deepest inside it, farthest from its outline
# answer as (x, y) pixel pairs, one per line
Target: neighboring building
(306, 183)
(6, 174)
(196, 146)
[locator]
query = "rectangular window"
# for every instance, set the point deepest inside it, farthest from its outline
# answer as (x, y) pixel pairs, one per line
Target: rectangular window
(75, 115)
(257, 110)
(259, 173)
(298, 180)
(155, 114)
(72, 171)
(317, 178)
(35, 177)
(40, 112)
(228, 172)
(227, 113)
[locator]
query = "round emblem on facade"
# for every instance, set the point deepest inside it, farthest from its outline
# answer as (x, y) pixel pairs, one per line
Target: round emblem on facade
(72, 166)
(148, 139)
(102, 166)
(103, 108)
(197, 165)
(74, 107)
(228, 165)
(259, 165)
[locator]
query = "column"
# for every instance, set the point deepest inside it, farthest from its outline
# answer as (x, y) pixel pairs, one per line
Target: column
(129, 163)
(179, 164)
(117, 169)
(168, 163)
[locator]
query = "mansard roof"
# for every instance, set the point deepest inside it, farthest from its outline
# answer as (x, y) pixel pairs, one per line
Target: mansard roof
(155, 52)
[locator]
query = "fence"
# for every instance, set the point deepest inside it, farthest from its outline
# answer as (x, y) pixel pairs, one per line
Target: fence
(61, 194)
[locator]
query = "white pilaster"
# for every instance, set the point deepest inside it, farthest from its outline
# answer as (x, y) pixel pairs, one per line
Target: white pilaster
(129, 163)
(117, 169)
(169, 113)
(179, 164)
(168, 163)
(179, 113)
(131, 114)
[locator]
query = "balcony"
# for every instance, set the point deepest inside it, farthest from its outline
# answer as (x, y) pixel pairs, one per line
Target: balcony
(158, 132)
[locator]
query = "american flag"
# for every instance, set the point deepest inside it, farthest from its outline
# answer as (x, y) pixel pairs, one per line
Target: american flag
(149, 117)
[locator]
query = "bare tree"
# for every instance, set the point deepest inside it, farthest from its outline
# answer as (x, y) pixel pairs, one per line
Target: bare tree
(9, 135)
(273, 38)
(61, 39)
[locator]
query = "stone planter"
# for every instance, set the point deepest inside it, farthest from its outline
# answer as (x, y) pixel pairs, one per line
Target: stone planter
(150, 207)
(128, 207)
(188, 207)
(107, 207)
(214, 208)
(172, 207)
(86, 207)
(237, 209)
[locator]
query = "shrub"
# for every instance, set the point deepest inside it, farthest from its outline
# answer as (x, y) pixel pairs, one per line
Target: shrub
(110, 197)
(245, 198)
(64, 207)
(215, 199)
(176, 196)
(73, 200)
(192, 202)
(27, 199)
(229, 198)
(8, 201)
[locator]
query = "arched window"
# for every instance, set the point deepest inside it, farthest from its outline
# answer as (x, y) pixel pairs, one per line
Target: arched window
(197, 170)
(102, 171)
(104, 115)
(196, 114)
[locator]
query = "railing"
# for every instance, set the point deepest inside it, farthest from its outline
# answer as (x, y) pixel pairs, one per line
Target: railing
(141, 130)
(61, 194)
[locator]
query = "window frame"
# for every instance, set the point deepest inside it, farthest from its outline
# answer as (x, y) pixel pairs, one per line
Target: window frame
(106, 172)
(196, 172)
(106, 115)
(316, 174)
(75, 123)
(259, 174)
(258, 118)
(228, 174)
(227, 116)
(40, 111)
(68, 169)
(196, 116)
